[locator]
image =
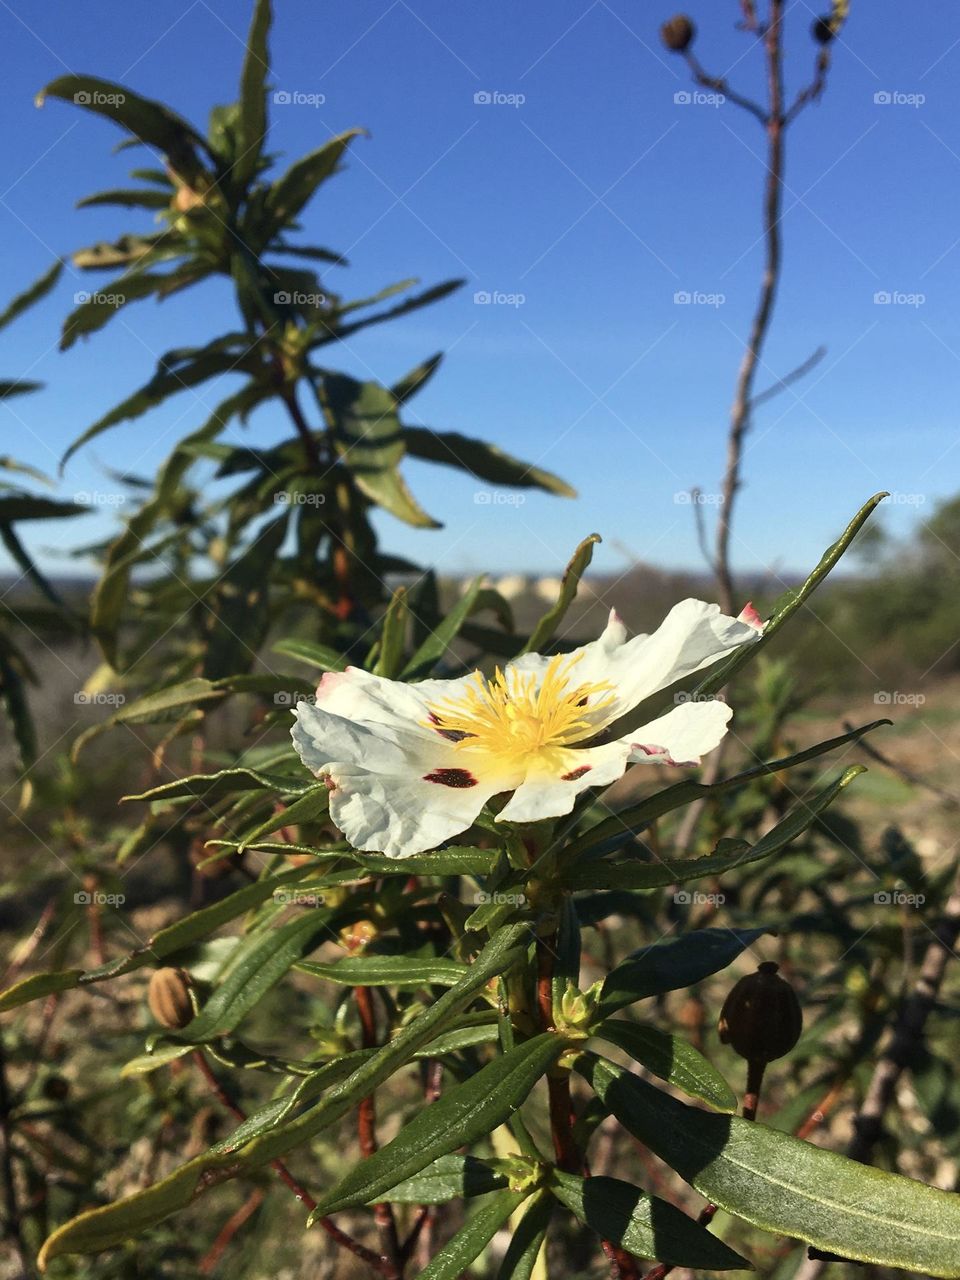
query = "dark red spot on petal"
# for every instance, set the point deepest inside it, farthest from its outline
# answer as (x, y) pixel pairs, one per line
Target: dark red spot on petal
(574, 774)
(451, 777)
(452, 735)
(648, 751)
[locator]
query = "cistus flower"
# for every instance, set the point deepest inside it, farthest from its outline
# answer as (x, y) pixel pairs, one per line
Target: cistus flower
(412, 765)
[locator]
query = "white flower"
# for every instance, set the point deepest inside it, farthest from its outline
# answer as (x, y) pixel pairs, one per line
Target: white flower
(411, 765)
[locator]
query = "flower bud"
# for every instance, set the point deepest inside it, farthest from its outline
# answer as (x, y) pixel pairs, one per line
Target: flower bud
(761, 1018)
(168, 996)
(677, 33)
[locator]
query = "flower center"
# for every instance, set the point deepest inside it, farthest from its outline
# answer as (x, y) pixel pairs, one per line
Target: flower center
(512, 717)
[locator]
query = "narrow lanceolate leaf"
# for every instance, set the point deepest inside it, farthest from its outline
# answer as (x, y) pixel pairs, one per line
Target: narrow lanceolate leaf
(642, 1224)
(449, 1178)
(212, 786)
(466, 1113)
(165, 705)
(787, 1186)
(315, 655)
(727, 856)
(672, 1059)
(789, 602)
(613, 832)
(39, 289)
(388, 971)
(482, 460)
(252, 124)
(37, 985)
(442, 636)
(151, 122)
(524, 1249)
(291, 192)
(98, 1229)
(455, 1257)
(546, 628)
(257, 966)
(671, 966)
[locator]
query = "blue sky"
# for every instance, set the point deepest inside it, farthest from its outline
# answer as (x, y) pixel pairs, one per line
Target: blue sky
(597, 198)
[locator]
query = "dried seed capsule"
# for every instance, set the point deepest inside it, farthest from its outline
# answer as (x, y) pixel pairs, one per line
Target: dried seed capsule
(761, 1018)
(168, 996)
(677, 33)
(822, 30)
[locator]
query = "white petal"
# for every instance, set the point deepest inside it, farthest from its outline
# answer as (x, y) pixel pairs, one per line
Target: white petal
(375, 701)
(320, 737)
(400, 815)
(682, 736)
(551, 792)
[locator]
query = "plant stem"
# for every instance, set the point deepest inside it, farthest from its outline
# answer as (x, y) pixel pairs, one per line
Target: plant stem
(367, 1131)
(11, 1205)
(772, 205)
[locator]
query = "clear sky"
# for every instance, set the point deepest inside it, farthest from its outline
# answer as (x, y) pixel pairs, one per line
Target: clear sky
(590, 193)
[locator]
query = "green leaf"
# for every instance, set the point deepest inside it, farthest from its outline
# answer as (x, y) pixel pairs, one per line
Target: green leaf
(387, 971)
(13, 701)
(416, 379)
(39, 289)
(789, 603)
(257, 966)
(448, 1178)
(101, 307)
(484, 461)
(252, 129)
(467, 1112)
(671, 966)
(313, 804)
(162, 1056)
(786, 1186)
(100, 1228)
(237, 611)
(134, 198)
(315, 655)
(393, 636)
(643, 1225)
(37, 985)
(623, 826)
(525, 1246)
(455, 1257)
(728, 854)
(151, 122)
(289, 194)
(672, 1059)
(15, 507)
(212, 786)
(435, 646)
(163, 705)
(545, 629)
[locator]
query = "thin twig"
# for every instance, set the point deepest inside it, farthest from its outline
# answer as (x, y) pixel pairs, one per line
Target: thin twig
(367, 1132)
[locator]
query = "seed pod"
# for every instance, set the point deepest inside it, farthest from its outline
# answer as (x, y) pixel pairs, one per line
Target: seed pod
(168, 996)
(822, 30)
(761, 1018)
(677, 33)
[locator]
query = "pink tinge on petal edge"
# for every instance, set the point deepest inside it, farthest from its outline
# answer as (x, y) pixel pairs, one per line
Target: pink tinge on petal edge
(749, 615)
(327, 682)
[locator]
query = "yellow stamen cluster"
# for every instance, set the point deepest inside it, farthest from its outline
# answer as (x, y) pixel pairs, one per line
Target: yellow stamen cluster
(515, 716)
